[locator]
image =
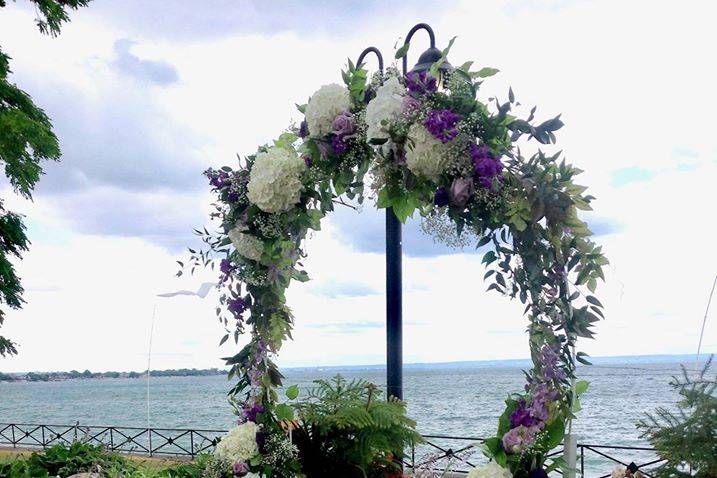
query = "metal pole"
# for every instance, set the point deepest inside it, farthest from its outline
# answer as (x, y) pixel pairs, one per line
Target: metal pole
(394, 306)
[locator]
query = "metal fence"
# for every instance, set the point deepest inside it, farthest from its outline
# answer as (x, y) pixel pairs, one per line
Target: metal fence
(437, 451)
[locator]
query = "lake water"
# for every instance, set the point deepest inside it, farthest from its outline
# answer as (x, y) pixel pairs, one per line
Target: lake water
(458, 400)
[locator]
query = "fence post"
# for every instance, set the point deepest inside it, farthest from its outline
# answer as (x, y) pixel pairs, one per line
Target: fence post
(14, 441)
(582, 461)
(570, 451)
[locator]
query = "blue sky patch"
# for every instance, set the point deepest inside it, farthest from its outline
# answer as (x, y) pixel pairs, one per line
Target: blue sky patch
(633, 174)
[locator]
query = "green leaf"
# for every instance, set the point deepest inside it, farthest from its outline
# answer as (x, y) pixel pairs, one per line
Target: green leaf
(556, 433)
(401, 52)
(284, 412)
(581, 387)
(292, 392)
(486, 72)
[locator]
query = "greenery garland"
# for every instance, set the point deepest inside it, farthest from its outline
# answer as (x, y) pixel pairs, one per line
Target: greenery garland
(450, 157)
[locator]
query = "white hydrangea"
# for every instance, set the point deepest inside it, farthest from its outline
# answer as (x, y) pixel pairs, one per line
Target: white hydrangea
(324, 106)
(490, 470)
(425, 155)
(274, 180)
(385, 106)
(246, 245)
(239, 444)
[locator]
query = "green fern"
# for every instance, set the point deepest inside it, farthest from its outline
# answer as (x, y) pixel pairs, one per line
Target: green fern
(346, 429)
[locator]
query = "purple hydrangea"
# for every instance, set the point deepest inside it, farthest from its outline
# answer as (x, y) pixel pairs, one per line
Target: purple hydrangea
(303, 130)
(485, 165)
(442, 124)
(225, 266)
(441, 197)
(240, 469)
(237, 307)
(519, 439)
(521, 416)
(251, 413)
(421, 82)
(339, 145)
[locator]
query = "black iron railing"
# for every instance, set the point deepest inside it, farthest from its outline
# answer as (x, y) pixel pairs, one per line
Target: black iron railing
(463, 453)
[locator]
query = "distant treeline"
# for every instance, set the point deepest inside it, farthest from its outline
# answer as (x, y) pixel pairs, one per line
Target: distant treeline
(74, 374)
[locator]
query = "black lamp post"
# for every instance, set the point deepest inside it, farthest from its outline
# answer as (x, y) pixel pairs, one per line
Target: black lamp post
(394, 287)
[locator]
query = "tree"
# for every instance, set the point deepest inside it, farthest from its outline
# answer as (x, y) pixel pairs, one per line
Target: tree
(26, 140)
(686, 438)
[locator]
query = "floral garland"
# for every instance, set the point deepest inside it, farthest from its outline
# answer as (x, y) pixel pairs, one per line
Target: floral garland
(449, 156)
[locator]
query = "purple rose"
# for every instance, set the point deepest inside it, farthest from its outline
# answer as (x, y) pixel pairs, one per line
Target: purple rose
(441, 197)
(442, 124)
(421, 82)
(343, 125)
(486, 166)
(240, 469)
(409, 105)
(461, 191)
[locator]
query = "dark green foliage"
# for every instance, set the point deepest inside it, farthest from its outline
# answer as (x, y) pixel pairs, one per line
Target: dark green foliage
(687, 437)
(346, 429)
(62, 461)
(26, 140)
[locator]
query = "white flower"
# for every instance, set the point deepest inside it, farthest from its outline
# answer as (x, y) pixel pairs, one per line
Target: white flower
(246, 245)
(619, 472)
(274, 183)
(239, 444)
(425, 155)
(384, 109)
(324, 106)
(491, 470)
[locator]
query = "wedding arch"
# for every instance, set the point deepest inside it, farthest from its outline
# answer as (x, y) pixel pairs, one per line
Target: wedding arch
(420, 142)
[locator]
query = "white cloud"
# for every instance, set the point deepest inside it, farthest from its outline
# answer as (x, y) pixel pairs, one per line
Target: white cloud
(633, 88)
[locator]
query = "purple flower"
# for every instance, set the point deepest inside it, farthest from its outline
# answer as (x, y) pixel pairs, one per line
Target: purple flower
(338, 145)
(303, 130)
(261, 441)
(461, 191)
(225, 266)
(409, 105)
(485, 166)
(237, 307)
(251, 413)
(308, 161)
(240, 469)
(538, 473)
(442, 124)
(343, 125)
(519, 439)
(521, 416)
(420, 83)
(441, 197)
(218, 179)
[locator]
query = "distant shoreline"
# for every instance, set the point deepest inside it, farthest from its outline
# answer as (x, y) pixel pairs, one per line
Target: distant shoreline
(184, 372)
(88, 375)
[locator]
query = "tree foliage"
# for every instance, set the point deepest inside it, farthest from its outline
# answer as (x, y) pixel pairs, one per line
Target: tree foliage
(686, 438)
(26, 140)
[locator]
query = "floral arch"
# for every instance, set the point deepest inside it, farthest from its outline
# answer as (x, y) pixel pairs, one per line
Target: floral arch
(431, 147)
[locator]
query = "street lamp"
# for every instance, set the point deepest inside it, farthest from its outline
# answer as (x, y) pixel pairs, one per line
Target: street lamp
(394, 286)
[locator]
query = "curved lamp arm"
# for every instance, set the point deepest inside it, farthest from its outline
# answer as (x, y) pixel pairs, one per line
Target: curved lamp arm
(431, 35)
(365, 53)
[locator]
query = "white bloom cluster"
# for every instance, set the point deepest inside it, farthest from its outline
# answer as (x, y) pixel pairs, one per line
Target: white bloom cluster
(274, 183)
(425, 155)
(491, 470)
(324, 106)
(384, 108)
(246, 245)
(239, 444)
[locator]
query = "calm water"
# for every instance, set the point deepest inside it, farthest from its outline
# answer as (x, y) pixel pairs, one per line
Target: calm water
(448, 400)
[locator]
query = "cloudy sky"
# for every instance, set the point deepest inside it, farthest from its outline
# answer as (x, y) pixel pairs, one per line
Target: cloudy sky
(145, 95)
